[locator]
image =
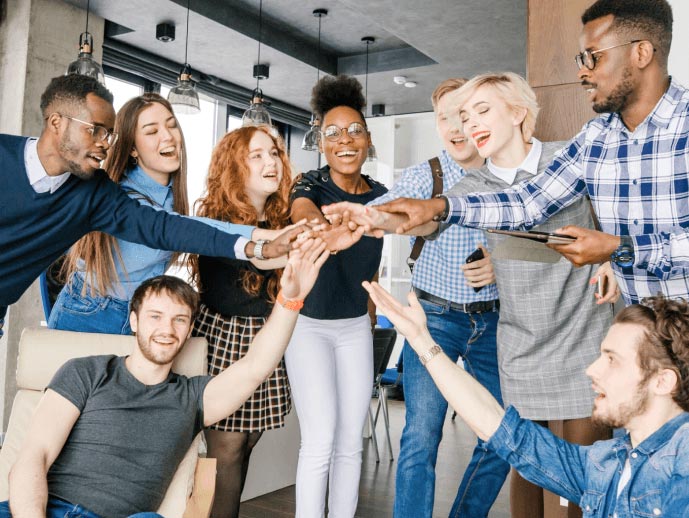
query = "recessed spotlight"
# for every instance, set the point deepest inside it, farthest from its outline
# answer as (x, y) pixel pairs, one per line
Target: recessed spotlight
(399, 80)
(165, 32)
(410, 84)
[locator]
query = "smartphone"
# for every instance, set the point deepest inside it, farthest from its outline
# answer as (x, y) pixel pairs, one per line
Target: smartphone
(601, 285)
(475, 256)
(534, 235)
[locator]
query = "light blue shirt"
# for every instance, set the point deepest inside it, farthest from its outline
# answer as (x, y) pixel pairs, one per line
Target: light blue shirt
(589, 475)
(140, 262)
(437, 270)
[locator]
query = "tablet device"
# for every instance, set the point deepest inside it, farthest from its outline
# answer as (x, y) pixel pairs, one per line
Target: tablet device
(543, 237)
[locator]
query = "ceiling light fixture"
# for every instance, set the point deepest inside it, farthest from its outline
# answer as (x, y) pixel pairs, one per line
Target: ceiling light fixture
(399, 80)
(410, 84)
(183, 97)
(310, 142)
(85, 64)
(165, 32)
(371, 155)
(257, 113)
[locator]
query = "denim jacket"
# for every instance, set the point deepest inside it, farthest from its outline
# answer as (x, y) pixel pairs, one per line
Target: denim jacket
(589, 475)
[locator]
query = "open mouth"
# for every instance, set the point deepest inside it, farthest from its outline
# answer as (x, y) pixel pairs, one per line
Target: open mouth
(169, 152)
(271, 175)
(600, 395)
(481, 138)
(345, 153)
(96, 158)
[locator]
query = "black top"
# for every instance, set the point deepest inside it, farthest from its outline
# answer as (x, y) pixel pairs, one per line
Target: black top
(222, 291)
(338, 292)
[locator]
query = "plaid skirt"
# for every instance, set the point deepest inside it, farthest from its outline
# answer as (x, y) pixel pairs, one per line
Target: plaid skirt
(228, 341)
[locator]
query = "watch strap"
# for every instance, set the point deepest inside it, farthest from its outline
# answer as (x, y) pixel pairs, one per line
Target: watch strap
(292, 305)
(258, 248)
(430, 354)
(445, 213)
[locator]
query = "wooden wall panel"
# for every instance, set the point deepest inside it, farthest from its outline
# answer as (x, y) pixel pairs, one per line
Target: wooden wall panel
(564, 110)
(553, 40)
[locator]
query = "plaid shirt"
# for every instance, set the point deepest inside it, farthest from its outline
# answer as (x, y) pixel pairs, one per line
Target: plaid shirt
(638, 185)
(437, 270)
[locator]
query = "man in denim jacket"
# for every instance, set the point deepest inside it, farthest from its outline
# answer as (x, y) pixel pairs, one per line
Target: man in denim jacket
(642, 384)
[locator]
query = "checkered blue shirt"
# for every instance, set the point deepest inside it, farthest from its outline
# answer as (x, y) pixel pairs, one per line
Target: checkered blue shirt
(437, 270)
(638, 184)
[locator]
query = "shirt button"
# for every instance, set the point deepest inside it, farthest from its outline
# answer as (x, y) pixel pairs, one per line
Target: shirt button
(656, 511)
(636, 142)
(635, 455)
(634, 182)
(588, 508)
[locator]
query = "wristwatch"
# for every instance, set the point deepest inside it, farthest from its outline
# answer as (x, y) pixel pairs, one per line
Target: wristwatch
(446, 212)
(624, 254)
(258, 248)
(430, 354)
(292, 305)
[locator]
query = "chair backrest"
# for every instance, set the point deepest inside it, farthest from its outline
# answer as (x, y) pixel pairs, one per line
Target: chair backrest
(383, 344)
(43, 351)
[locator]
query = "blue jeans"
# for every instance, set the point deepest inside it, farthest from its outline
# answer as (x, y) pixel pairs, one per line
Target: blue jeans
(470, 336)
(76, 312)
(58, 508)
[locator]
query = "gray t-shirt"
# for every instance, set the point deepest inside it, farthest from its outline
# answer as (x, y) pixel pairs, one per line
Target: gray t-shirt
(129, 439)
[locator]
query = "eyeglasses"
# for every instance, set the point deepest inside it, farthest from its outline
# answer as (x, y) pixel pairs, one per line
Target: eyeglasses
(99, 133)
(333, 133)
(588, 58)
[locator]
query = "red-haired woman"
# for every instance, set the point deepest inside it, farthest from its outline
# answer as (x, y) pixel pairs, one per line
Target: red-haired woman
(248, 183)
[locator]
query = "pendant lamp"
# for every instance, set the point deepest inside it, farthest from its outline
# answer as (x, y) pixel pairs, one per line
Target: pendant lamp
(310, 142)
(371, 155)
(257, 113)
(183, 96)
(85, 64)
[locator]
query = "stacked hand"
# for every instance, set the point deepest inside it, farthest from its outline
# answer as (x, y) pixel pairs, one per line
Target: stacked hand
(417, 212)
(341, 232)
(371, 219)
(302, 268)
(284, 242)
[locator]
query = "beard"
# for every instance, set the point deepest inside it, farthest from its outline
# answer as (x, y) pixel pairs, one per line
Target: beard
(163, 357)
(625, 411)
(68, 152)
(619, 97)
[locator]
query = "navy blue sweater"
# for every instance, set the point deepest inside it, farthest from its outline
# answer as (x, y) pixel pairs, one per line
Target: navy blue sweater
(36, 228)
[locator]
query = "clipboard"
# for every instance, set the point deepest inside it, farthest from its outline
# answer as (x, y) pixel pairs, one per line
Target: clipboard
(550, 238)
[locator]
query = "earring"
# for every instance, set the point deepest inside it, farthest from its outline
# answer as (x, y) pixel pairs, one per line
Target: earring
(135, 160)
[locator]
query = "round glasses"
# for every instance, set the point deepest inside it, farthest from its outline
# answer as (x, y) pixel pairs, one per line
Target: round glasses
(354, 130)
(589, 59)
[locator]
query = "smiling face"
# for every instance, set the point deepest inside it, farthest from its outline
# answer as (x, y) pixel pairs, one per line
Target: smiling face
(493, 126)
(157, 142)
(80, 154)
(162, 326)
(265, 167)
(460, 148)
(347, 154)
(622, 394)
(611, 86)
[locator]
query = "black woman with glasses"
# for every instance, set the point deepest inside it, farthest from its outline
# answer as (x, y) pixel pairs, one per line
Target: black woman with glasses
(632, 160)
(330, 357)
(53, 193)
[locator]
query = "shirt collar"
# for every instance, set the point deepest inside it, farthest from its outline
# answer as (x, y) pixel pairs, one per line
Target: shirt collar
(138, 180)
(663, 112)
(529, 164)
(39, 179)
(661, 436)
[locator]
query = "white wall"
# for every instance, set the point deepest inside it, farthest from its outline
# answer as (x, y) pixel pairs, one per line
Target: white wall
(679, 62)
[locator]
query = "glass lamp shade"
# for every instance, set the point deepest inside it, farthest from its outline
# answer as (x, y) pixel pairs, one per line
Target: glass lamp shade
(371, 155)
(183, 97)
(256, 113)
(85, 65)
(310, 141)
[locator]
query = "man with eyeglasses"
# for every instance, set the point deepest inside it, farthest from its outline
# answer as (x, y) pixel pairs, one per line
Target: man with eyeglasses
(54, 193)
(632, 160)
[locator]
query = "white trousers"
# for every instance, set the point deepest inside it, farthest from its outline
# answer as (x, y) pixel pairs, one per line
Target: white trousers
(330, 369)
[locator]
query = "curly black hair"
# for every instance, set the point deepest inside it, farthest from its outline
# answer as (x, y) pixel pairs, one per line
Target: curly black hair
(72, 88)
(342, 90)
(665, 344)
(647, 19)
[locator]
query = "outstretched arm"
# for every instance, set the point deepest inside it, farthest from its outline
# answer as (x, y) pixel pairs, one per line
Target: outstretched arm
(468, 397)
(227, 391)
(378, 222)
(50, 426)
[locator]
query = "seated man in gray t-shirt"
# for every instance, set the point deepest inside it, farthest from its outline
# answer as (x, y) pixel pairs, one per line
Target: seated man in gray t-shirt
(110, 431)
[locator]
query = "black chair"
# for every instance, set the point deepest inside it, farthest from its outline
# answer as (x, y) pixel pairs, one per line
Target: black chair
(383, 344)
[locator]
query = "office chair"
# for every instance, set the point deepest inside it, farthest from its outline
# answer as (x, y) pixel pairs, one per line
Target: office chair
(383, 344)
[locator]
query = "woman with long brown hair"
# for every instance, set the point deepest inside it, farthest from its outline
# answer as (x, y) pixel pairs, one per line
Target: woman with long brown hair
(248, 183)
(149, 162)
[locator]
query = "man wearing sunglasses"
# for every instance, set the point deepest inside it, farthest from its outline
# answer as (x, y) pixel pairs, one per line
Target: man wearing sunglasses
(632, 160)
(54, 193)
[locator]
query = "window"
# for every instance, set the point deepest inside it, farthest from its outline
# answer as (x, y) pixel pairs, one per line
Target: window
(122, 91)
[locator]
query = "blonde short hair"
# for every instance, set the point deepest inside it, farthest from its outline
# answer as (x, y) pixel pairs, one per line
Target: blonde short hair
(447, 86)
(513, 89)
